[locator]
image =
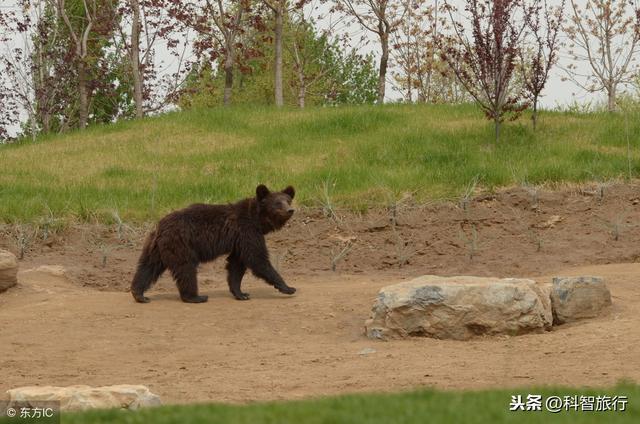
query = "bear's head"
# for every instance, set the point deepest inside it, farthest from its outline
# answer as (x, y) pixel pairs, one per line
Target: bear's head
(274, 208)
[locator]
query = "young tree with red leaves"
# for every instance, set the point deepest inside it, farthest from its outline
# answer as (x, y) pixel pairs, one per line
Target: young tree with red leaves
(544, 24)
(485, 62)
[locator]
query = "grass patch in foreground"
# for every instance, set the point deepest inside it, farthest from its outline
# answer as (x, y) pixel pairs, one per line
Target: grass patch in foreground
(418, 407)
(365, 156)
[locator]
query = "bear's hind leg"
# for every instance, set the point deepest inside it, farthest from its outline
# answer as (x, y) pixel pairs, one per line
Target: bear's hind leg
(187, 282)
(235, 272)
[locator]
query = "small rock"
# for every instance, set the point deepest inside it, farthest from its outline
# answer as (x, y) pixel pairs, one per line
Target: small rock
(574, 298)
(551, 222)
(80, 397)
(367, 351)
(8, 270)
(45, 275)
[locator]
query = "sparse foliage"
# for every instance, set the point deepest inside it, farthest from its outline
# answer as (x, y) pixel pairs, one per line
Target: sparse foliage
(484, 62)
(382, 18)
(605, 35)
(544, 24)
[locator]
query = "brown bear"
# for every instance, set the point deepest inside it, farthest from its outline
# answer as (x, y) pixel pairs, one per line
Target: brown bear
(200, 233)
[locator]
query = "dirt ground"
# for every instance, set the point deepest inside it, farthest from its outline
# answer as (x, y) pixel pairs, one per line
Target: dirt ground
(86, 329)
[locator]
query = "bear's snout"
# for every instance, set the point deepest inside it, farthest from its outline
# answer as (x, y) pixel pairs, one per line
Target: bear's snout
(290, 211)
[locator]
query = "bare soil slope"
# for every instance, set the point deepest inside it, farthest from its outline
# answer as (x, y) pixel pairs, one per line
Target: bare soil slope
(86, 329)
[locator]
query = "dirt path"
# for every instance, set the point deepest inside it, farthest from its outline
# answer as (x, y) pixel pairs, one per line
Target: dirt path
(54, 332)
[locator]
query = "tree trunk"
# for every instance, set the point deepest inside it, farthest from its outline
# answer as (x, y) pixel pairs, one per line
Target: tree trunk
(384, 59)
(135, 59)
(534, 115)
(302, 92)
(42, 96)
(83, 95)
(228, 75)
(611, 98)
(497, 123)
(278, 53)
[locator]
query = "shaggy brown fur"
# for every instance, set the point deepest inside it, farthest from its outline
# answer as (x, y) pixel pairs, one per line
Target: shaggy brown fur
(201, 233)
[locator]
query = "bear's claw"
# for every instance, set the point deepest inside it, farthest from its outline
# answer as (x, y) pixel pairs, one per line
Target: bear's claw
(140, 298)
(286, 290)
(195, 299)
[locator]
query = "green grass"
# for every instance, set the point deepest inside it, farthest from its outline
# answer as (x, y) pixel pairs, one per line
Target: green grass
(425, 406)
(366, 155)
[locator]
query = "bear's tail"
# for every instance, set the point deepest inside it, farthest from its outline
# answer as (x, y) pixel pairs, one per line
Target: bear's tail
(150, 267)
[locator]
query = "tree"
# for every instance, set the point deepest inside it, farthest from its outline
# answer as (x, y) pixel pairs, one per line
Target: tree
(144, 25)
(485, 63)
(325, 68)
(88, 23)
(280, 9)
(134, 56)
(326, 71)
(35, 71)
(380, 17)
(605, 34)
(420, 73)
(544, 24)
(220, 24)
(307, 56)
(15, 86)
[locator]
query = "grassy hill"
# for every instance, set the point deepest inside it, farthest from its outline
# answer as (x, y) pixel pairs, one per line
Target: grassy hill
(358, 157)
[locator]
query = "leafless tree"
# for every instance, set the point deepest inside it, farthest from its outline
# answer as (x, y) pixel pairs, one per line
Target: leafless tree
(605, 34)
(380, 17)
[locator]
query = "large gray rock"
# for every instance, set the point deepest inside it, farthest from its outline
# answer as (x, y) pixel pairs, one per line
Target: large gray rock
(574, 298)
(8, 270)
(459, 308)
(77, 398)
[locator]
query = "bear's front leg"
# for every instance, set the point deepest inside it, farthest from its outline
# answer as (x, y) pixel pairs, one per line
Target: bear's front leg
(262, 268)
(235, 272)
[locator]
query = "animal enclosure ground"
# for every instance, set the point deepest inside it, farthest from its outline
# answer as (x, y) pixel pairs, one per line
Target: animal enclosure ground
(86, 329)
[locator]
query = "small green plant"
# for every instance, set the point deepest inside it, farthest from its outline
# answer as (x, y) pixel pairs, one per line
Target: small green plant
(536, 238)
(23, 236)
(48, 225)
(337, 256)
(617, 225)
(467, 195)
(404, 249)
(105, 250)
(122, 229)
(326, 201)
(470, 241)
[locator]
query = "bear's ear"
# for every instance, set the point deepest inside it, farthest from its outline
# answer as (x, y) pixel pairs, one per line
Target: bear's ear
(261, 192)
(290, 191)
